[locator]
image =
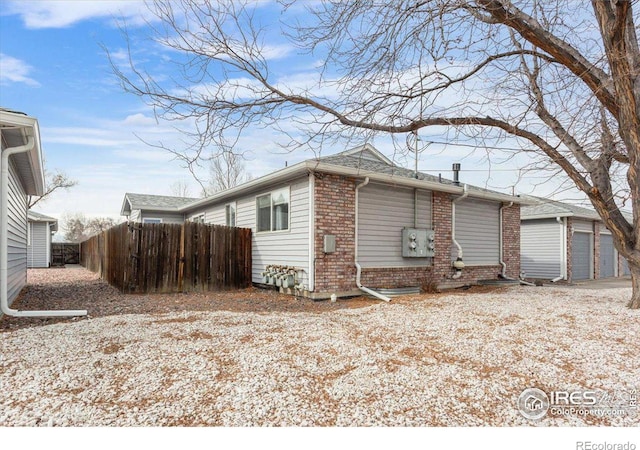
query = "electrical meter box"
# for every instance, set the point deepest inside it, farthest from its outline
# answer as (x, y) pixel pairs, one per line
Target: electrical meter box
(418, 243)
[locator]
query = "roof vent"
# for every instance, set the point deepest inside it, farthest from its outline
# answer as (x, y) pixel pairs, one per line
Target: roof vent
(456, 173)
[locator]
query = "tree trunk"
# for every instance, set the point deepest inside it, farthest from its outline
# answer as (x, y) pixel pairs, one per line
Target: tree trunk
(634, 303)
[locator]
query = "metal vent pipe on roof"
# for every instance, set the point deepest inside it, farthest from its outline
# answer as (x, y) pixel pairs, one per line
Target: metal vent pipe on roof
(456, 173)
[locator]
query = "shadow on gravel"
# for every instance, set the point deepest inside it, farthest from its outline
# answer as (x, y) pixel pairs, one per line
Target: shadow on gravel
(59, 288)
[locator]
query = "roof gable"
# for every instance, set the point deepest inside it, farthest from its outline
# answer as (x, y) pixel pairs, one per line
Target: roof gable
(153, 202)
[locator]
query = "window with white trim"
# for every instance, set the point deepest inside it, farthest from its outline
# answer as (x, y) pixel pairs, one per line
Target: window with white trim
(198, 219)
(230, 214)
(272, 211)
(151, 220)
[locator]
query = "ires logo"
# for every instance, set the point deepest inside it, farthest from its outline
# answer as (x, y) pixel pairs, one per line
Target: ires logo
(534, 403)
(576, 398)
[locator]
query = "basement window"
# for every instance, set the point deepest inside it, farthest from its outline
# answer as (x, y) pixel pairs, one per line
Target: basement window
(272, 211)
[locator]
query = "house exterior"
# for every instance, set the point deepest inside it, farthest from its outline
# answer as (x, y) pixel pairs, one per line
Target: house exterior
(356, 217)
(560, 241)
(154, 208)
(22, 175)
(40, 229)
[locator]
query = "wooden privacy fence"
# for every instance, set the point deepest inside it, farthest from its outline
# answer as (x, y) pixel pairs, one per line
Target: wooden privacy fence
(146, 258)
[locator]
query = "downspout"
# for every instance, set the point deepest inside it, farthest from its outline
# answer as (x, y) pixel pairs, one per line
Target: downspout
(563, 249)
(358, 268)
(4, 241)
(457, 264)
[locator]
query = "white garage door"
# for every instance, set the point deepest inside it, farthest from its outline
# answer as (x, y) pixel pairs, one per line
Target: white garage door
(581, 256)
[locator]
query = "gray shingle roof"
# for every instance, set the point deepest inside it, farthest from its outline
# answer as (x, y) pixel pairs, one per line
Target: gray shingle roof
(369, 160)
(145, 201)
(547, 208)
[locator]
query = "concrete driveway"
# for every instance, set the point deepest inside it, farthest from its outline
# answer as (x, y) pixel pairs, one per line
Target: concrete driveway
(604, 283)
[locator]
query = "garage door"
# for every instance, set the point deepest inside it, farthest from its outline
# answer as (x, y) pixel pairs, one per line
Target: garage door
(581, 256)
(607, 256)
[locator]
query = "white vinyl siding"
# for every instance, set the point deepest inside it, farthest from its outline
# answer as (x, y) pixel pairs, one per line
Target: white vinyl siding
(166, 217)
(288, 247)
(230, 214)
(39, 248)
(135, 215)
(17, 236)
(383, 212)
(540, 248)
(477, 231)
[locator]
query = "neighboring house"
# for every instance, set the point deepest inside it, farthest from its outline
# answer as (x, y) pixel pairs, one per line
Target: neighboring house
(22, 175)
(327, 216)
(560, 241)
(39, 232)
(154, 208)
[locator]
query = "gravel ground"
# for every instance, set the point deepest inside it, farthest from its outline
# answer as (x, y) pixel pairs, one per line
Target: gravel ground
(254, 358)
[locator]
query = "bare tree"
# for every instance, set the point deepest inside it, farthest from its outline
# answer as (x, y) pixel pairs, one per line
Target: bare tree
(226, 171)
(559, 80)
(180, 189)
(53, 182)
(78, 228)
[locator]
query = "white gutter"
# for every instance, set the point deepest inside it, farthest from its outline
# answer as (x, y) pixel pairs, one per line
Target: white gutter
(4, 240)
(358, 268)
(563, 249)
(458, 263)
(501, 243)
(453, 219)
(305, 167)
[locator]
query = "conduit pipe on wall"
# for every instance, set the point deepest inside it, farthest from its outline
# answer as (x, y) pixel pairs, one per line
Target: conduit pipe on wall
(563, 250)
(458, 264)
(358, 267)
(4, 241)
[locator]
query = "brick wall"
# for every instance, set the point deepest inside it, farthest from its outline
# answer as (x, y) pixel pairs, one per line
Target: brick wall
(335, 272)
(569, 248)
(441, 214)
(334, 205)
(511, 240)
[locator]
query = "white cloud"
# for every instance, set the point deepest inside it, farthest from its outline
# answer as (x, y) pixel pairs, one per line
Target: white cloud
(63, 13)
(139, 119)
(13, 70)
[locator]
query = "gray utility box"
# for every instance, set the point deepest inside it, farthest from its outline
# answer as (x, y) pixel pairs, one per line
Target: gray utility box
(418, 243)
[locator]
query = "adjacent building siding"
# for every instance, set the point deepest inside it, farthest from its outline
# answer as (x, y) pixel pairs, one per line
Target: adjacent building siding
(289, 247)
(477, 231)
(39, 248)
(540, 248)
(17, 234)
(135, 215)
(383, 212)
(166, 217)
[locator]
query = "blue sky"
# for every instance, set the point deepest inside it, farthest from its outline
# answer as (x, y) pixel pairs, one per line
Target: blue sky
(53, 67)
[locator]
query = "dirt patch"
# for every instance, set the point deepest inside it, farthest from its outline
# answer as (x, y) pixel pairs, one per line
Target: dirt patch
(77, 288)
